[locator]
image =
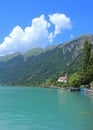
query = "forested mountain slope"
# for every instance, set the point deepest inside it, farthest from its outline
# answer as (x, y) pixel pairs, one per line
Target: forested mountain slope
(37, 65)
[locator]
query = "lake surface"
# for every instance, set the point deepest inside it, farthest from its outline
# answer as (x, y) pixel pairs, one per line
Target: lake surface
(44, 109)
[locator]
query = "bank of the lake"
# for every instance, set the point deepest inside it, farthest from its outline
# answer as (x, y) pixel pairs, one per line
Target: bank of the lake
(23, 108)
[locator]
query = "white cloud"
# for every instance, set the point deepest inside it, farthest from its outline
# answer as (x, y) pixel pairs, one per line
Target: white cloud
(36, 35)
(20, 40)
(61, 22)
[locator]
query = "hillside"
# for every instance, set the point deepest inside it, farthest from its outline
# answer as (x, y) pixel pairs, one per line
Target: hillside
(37, 65)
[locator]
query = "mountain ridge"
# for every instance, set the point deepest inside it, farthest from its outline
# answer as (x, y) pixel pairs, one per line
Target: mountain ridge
(37, 65)
(37, 51)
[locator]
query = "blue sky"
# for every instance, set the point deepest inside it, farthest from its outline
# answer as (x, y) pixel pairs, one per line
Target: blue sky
(26, 24)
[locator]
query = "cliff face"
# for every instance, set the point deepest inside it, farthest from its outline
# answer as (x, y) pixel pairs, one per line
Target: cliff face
(37, 65)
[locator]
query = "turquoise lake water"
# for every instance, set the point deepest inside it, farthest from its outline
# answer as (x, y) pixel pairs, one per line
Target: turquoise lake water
(44, 109)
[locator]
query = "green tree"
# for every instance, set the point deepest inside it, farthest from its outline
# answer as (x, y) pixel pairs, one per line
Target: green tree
(86, 56)
(91, 66)
(75, 80)
(91, 58)
(87, 63)
(48, 82)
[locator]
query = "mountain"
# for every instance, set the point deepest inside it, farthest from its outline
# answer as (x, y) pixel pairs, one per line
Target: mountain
(37, 65)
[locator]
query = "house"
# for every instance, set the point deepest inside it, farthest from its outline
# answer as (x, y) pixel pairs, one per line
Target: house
(63, 79)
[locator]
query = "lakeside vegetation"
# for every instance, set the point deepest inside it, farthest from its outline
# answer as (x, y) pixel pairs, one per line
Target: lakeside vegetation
(86, 77)
(83, 78)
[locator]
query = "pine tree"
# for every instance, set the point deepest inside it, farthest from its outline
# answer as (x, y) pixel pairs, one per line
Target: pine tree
(87, 63)
(86, 56)
(91, 66)
(91, 58)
